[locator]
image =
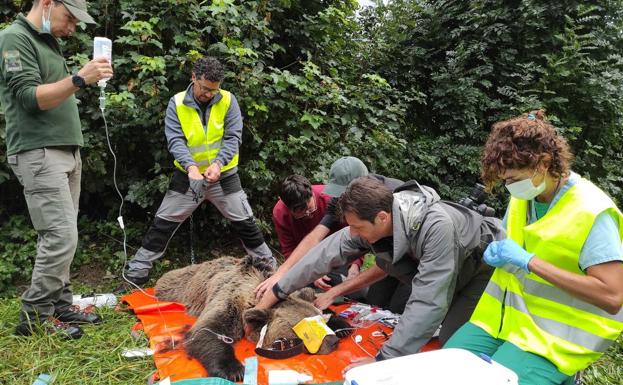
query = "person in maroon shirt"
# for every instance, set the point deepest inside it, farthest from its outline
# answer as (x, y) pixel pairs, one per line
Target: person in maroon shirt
(301, 207)
(296, 197)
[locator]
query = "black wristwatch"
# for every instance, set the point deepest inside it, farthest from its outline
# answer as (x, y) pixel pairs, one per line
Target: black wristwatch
(78, 81)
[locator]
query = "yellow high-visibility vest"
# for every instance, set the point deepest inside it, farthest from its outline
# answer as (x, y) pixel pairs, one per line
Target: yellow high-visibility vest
(204, 143)
(533, 314)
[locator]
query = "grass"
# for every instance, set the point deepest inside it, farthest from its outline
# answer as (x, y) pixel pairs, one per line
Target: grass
(96, 358)
(609, 369)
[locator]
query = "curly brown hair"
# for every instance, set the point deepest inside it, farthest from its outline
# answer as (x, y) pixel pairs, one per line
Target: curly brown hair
(520, 143)
(209, 68)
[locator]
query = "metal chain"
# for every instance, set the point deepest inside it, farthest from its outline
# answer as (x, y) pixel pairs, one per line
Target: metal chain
(192, 248)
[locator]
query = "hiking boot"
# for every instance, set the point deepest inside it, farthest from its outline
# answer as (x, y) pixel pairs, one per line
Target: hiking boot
(73, 315)
(51, 326)
(126, 287)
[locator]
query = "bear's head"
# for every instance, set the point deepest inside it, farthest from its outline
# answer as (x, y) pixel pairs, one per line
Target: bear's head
(281, 318)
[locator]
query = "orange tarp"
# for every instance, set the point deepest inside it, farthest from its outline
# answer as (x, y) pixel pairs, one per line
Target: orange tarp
(164, 322)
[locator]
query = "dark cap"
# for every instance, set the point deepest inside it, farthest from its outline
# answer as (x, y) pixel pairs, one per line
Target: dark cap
(78, 8)
(343, 171)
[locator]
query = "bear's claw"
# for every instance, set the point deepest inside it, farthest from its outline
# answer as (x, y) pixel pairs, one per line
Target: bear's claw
(232, 370)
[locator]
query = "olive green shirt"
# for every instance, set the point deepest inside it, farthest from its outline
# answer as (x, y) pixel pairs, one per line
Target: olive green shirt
(31, 58)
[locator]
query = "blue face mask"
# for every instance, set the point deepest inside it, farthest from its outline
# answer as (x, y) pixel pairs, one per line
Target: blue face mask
(46, 26)
(524, 189)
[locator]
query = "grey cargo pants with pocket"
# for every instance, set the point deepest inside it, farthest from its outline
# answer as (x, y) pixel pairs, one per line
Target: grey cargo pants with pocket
(178, 204)
(51, 180)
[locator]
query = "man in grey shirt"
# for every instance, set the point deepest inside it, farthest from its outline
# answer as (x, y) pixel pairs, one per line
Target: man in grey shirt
(203, 126)
(435, 245)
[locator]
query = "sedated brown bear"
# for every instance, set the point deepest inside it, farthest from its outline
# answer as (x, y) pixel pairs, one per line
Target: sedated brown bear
(220, 294)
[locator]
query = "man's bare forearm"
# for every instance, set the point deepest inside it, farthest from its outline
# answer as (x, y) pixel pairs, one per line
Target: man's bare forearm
(267, 301)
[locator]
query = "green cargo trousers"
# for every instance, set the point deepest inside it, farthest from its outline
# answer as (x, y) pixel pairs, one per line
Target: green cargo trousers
(51, 180)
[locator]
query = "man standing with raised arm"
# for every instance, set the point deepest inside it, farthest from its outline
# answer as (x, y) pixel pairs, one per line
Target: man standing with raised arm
(44, 137)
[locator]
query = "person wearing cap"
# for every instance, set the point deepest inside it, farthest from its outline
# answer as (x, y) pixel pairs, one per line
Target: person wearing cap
(342, 172)
(433, 245)
(300, 208)
(44, 136)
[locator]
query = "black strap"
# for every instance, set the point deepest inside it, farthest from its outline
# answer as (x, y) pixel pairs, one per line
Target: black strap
(290, 348)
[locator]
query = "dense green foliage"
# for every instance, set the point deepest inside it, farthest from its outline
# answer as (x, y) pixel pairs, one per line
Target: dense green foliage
(468, 64)
(411, 87)
(289, 63)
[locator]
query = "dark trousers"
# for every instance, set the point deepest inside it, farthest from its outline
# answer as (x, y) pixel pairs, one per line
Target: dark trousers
(390, 294)
(464, 302)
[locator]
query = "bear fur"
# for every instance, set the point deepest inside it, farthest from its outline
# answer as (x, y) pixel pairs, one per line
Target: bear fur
(220, 294)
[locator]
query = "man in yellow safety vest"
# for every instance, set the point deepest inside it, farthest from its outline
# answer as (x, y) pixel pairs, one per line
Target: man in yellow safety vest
(203, 126)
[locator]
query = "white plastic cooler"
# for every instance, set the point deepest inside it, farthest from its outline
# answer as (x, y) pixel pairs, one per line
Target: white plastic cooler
(439, 367)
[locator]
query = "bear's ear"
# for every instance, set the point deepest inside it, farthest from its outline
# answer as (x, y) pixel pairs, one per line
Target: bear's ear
(306, 294)
(255, 318)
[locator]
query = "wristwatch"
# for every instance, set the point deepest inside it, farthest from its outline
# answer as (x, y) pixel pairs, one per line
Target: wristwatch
(78, 81)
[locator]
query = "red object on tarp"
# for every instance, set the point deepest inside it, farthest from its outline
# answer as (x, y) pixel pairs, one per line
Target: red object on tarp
(165, 322)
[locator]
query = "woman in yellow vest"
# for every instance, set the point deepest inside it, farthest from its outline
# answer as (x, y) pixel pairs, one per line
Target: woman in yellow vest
(553, 304)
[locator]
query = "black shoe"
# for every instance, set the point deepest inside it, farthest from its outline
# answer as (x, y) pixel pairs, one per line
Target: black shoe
(51, 327)
(73, 315)
(126, 287)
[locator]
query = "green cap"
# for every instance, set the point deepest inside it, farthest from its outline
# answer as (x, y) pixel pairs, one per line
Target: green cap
(78, 8)
(343, 171)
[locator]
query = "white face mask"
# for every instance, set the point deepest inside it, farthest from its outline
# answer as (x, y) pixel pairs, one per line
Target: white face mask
(524, 189)
(46, 26)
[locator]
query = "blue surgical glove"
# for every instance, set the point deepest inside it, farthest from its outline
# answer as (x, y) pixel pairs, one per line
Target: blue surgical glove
(499, 253)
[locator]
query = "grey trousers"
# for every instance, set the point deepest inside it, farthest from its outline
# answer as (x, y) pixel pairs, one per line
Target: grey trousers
(176, 207)
(51, 180)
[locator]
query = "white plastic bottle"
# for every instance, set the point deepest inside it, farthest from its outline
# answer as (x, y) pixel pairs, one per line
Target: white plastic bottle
(287, 377)
(102, 47)
(97, 300)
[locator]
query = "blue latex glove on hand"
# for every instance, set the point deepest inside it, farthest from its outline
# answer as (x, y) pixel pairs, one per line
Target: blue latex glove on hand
(499, 253)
